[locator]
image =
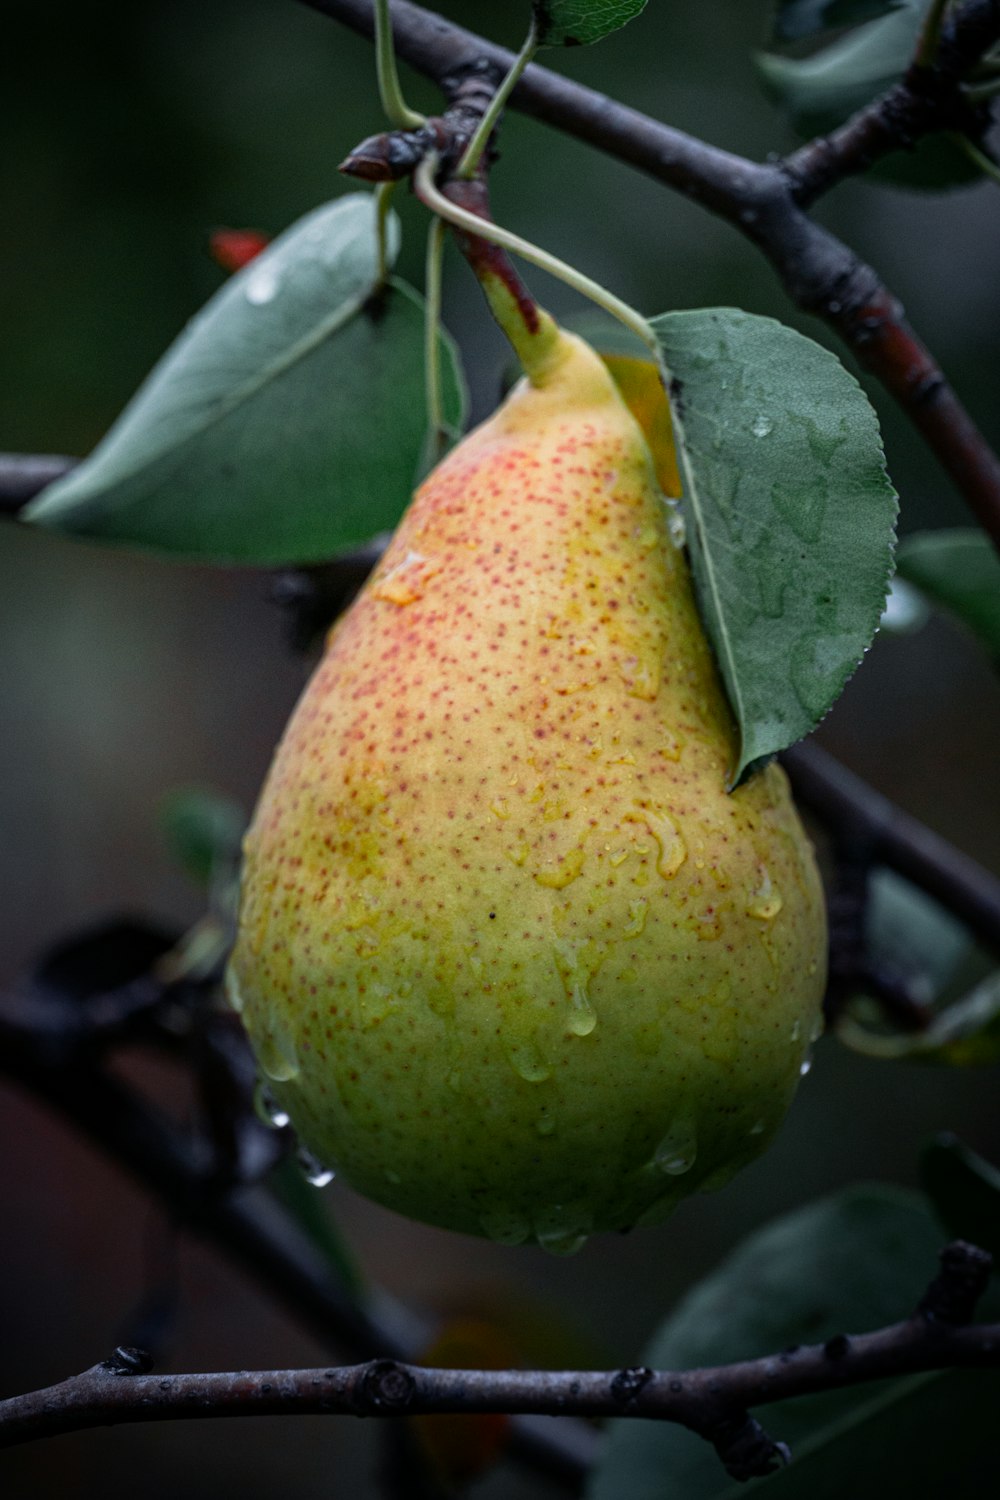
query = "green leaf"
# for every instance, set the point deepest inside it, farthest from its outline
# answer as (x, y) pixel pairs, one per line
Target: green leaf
(284, 424)
(964, 1190)
(203, 831)
(967, 1034)
(819, 92)
(789, 515)
(908, 932)
(797, 20)
(576, 23)
(964, 1034)
(960, 570)
(849, 1263)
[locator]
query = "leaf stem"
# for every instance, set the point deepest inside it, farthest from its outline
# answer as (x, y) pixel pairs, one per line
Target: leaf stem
(436, 436)
(474, 150)
(383, 200)
(985, 163)
(390, 92)
(983, 92)
(431, 196)
(987, 67)
(930, 35)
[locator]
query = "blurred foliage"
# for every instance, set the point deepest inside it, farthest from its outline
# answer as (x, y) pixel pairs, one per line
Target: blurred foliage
(959, 570)
(964, 1190)
(203, 831)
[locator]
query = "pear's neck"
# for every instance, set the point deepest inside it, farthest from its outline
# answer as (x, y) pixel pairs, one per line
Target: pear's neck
(533, 334)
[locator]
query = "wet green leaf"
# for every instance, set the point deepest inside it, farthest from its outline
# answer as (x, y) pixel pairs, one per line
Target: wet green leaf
(960, 570)
(965, 1192)
(789, 515)
(576, 23)
(284, 424)
(846, 1264)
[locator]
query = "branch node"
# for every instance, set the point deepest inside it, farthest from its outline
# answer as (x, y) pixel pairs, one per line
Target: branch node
(952, 1296)
(837, 1347)
(746, 1449)
(126, 1360)
(627, 1384)
(482, 74)
(394, 154)
(385, 1385)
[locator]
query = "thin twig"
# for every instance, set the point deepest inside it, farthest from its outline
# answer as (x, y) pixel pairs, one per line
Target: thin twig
(722, 181)
(821, 274)
(714, 1402)
(25, 475)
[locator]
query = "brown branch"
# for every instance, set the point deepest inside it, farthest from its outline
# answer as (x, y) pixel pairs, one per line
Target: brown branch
(821, 274)
(852, 810)
(42, 1049)
(764, 202)
(25, 475)
(713, 1402)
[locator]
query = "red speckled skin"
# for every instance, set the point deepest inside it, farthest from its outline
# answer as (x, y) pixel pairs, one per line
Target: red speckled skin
(514, 960)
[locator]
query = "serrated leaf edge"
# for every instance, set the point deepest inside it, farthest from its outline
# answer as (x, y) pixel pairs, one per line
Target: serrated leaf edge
(744, 766)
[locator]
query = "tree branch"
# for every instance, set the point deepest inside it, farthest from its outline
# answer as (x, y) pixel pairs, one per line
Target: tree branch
(41, 1049)
(852, 810)
(764, 202)
(713, 1402)
(25, 475)
(927, 99)
(821, 274)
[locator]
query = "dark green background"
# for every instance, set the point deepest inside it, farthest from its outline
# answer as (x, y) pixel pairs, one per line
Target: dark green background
(128, 133)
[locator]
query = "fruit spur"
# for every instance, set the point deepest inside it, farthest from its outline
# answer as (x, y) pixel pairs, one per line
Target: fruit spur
(511, 956)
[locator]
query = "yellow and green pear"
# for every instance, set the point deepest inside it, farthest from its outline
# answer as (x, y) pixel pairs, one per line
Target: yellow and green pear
(510, 955)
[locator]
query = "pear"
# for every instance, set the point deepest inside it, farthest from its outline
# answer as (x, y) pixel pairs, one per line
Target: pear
(510, 955)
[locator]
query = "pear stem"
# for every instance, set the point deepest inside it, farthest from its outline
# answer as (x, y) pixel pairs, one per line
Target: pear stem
(390, 92)
(530, 329)
(431, 196)
(474, 150)
(436, 437)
